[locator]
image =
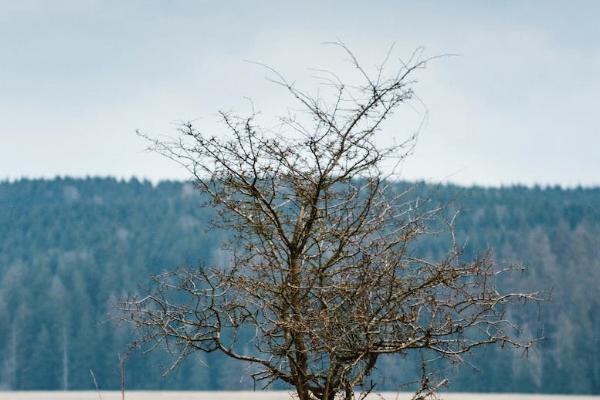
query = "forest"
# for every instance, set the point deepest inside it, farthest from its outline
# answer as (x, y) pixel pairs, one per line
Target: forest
(70, 249)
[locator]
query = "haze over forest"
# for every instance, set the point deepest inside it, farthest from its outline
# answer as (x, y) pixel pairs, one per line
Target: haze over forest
(71, 248)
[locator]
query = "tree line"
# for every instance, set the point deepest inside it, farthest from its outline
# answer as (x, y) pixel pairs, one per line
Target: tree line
(71, 248)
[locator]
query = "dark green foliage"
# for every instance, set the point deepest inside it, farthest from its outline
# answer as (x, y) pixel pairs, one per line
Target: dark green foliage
(70, 248)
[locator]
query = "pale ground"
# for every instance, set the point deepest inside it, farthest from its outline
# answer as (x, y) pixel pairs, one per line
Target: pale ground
(140, 395)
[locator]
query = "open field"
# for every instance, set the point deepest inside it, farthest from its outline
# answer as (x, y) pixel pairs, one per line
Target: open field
(156, 395)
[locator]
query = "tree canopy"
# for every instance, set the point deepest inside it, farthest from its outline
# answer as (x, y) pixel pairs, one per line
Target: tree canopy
(322, 267)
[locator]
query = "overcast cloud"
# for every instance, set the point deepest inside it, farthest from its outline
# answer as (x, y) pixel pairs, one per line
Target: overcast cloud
(520, 105)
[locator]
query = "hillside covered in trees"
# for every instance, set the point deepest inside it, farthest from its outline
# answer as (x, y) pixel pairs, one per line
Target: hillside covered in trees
(71, 248)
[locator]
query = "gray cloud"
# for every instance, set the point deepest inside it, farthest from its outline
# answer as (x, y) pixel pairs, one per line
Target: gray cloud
(78, 77)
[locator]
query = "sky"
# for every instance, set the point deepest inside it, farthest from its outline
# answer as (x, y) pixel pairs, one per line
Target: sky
(519, 104)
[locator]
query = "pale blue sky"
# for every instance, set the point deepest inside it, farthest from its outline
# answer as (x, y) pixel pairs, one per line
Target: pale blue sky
(520, 105)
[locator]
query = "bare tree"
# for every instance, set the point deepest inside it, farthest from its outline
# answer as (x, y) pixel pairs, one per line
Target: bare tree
(323, 275)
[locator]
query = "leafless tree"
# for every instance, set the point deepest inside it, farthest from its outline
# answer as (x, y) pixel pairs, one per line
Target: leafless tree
(323, 274)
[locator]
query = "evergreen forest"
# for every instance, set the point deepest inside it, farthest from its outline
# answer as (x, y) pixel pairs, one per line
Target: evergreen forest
(71, 248)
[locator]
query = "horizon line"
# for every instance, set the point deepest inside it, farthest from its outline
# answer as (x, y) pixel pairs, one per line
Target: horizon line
(158, 181)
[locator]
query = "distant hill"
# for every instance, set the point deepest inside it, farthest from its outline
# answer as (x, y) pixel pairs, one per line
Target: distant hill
(69, 248)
